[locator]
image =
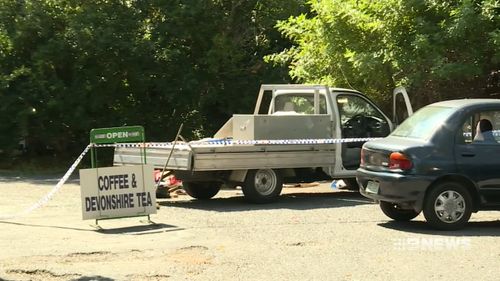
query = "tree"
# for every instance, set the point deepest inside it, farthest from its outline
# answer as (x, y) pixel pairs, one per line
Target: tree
(69, 66)
(218, 47)
(439, 49)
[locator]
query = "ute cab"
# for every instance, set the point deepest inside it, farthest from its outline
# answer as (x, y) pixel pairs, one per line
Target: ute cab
(321, 112)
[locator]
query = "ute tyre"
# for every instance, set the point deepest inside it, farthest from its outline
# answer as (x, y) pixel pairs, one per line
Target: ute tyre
(393, 211)
(448, 206)
(262, 186)
(201, 190)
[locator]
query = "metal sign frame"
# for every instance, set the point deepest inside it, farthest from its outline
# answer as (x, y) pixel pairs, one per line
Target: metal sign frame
(115, 135)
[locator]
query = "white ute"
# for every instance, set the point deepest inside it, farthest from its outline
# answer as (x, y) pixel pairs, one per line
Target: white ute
(295, 137)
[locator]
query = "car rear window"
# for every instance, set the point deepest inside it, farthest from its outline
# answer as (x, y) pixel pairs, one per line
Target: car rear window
(423, 123)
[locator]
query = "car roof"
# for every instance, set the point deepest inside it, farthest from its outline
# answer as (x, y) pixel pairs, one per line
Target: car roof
(462, 103)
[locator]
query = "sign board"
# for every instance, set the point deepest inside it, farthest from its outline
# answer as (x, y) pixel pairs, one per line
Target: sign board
(115, 192)
(117, 134)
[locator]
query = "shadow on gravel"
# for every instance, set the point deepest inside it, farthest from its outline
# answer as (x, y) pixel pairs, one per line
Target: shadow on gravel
(44, 226)
(294, 201)
(474, 228)
(131, 230)
(40, 180)
(93, 278)
(141, 229)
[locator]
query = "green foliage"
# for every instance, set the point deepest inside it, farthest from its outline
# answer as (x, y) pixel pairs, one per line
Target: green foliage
(72, 65)
(68, 66)
(440, 49)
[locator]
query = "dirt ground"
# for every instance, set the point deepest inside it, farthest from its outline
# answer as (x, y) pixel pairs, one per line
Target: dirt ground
(312, 233)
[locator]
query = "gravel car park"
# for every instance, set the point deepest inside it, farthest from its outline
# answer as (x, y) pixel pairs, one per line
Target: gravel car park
(444, 160)
(313, 233)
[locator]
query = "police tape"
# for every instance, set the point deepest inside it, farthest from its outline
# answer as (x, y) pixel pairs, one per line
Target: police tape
(52, 192)
(75, 164)
(230, 142)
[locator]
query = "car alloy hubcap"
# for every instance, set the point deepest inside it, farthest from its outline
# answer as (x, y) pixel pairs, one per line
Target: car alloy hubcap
(265, 181)
(449, 206)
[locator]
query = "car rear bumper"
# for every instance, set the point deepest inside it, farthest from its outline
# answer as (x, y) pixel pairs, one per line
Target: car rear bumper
(394, 187)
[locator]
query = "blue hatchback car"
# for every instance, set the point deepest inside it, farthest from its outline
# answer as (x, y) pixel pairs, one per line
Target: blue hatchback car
(443, 160)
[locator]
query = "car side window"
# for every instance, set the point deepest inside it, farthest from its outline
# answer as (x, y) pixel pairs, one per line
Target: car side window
(299, 104)
(466, 135)
(481, 128)
(359, 118)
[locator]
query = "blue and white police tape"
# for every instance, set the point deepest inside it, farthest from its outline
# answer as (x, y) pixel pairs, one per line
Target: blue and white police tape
(229, 142)
(280, 142)
(52, 192)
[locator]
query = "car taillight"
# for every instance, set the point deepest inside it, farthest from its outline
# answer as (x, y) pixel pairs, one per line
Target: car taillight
(400, 161)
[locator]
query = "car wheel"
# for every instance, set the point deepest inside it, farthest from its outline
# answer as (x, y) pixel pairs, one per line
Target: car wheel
(201, 190)
(448, 206)
(262, 186)
(393, 211)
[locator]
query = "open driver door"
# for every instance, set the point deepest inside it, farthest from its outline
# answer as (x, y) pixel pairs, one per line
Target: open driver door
(401, 106)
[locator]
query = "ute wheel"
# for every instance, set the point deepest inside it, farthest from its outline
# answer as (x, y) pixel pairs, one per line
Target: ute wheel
(262, 186)
(448, 206)
(393, 211)
(351, 184)
(201, 190)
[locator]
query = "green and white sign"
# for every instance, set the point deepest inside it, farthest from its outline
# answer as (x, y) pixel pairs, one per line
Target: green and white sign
(116, 192)
(117, 134)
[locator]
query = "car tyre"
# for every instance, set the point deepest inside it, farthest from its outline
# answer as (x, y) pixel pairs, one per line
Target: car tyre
(262, 185)
(393, 211)
(201, 190)
(448, 206)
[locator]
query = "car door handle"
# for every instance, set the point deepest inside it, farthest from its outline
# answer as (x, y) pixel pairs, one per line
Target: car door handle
(465, 154)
